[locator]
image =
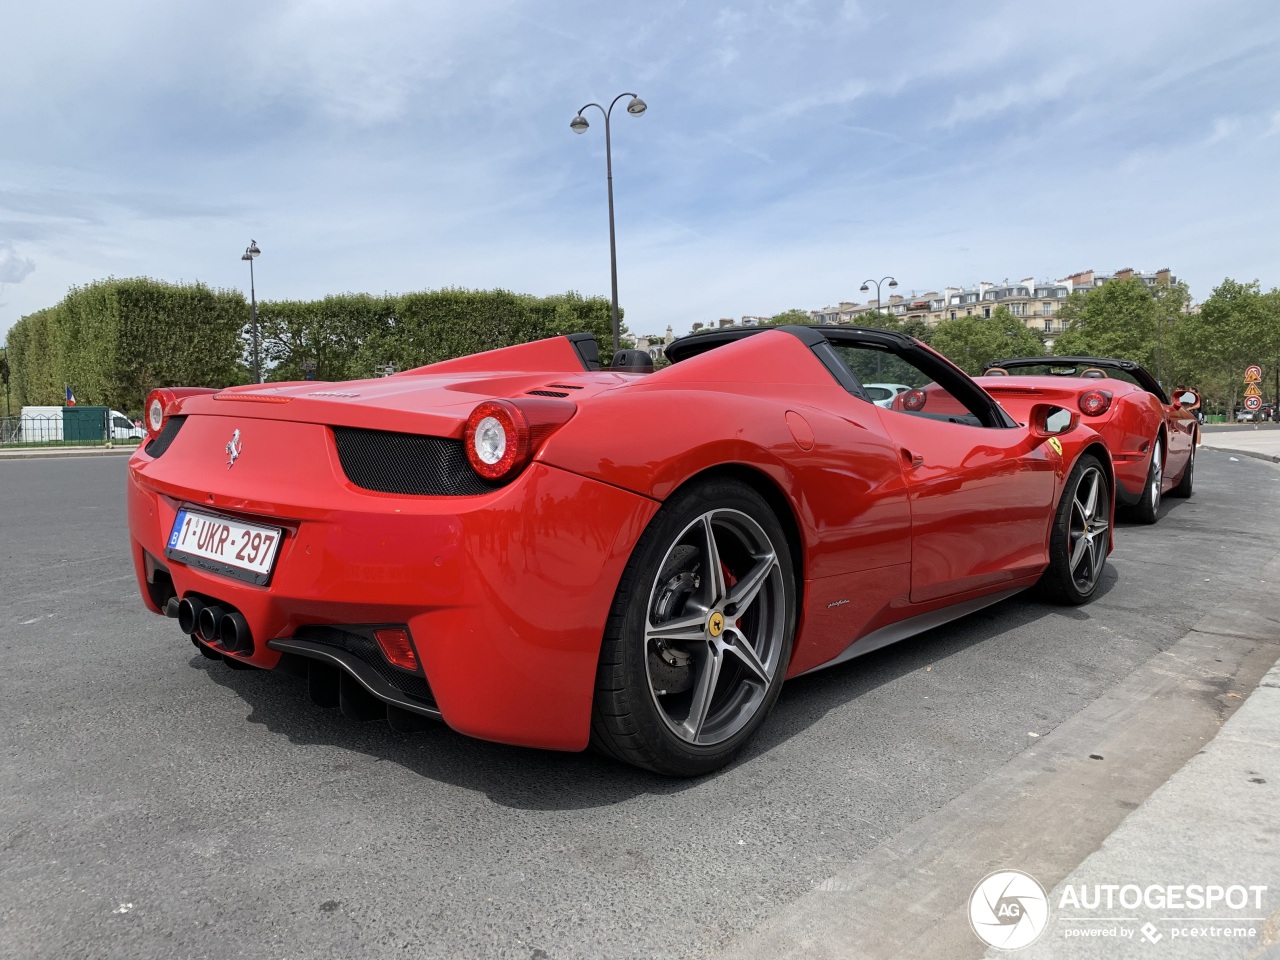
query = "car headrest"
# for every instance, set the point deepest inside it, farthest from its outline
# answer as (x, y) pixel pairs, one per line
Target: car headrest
(1093, 373)
(632, 361)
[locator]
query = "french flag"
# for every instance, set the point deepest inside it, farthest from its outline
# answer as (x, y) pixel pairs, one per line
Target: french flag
(71, 398)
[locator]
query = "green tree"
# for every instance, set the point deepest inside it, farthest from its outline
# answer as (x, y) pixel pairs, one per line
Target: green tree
(969, 342)
(1125, 319)
(794, 315)
(1238, 325)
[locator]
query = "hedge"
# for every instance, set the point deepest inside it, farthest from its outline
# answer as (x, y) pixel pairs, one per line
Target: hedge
(114, 340)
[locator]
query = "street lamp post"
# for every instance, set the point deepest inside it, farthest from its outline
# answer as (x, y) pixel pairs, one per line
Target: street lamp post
(892, 283)
(251, 253)
(864, 288)
(579, 124)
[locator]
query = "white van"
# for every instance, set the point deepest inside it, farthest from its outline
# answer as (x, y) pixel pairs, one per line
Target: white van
(44, 425)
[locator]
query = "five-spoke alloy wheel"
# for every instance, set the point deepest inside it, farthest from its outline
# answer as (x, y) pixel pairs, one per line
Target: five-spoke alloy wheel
(1081, 535)
(700, 634)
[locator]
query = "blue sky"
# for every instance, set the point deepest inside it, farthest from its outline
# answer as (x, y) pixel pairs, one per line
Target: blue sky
(790, 150)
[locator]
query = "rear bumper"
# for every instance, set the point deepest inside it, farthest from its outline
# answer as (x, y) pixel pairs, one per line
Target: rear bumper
(505, 594)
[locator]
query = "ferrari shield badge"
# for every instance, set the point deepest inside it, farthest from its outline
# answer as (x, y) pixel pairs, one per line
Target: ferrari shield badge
(1053, 442)
(233, 449)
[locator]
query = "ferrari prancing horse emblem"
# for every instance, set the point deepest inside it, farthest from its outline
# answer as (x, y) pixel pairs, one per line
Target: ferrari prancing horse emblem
(1053, 442)
(233, 450)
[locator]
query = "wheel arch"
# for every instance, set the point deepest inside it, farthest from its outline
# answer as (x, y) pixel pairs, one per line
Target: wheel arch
(778, 502)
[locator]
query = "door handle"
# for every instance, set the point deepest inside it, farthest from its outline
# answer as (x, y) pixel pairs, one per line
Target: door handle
(911, 460)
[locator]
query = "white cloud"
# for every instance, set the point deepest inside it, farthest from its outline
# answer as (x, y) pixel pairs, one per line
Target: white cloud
(13, 267)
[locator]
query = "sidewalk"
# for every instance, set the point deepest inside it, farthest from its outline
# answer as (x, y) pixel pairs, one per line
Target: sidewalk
(1261, 442)
(1215, 822)
(45, 453)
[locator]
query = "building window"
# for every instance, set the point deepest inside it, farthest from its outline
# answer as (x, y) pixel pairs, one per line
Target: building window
(986, 312)
(1048, 326)
(1046, 309)
(953, 314)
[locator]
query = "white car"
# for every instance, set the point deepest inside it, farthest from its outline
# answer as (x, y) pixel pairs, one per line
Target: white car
(882, 394)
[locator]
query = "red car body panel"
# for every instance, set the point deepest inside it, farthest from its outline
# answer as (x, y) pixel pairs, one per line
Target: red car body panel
(1129, 427)
(506, 593)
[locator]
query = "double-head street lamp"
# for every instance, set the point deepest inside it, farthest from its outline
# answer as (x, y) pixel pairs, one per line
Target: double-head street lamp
(864, 288)
(251, 253)
(579, 124)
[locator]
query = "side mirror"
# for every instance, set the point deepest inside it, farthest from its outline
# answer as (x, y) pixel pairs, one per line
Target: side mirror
(1187, 398)
(1048, 420)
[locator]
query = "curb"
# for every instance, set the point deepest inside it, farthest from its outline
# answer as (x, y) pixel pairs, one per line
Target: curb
(61, 452)
(1243, 453)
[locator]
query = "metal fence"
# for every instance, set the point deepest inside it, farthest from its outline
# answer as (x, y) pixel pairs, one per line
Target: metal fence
(85, 427)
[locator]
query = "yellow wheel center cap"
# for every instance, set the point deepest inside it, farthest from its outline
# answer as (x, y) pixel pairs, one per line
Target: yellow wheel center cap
(715, 625)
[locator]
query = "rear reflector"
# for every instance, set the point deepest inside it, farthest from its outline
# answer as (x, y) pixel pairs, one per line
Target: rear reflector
(396, 647)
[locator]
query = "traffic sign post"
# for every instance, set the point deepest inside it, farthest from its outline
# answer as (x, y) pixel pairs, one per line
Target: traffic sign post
(1252, 390)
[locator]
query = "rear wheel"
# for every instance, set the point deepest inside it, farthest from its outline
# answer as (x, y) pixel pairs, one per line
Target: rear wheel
(1081, 535)
(1183, 489)
(1147, 509)
(700, 633)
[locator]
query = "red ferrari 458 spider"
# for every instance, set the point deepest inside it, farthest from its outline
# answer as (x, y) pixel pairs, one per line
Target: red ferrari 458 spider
(539, 551)
(1152, 439)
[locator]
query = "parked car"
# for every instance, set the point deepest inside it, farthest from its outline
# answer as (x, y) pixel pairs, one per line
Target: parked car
(1245, 415)
(478, 541)
(1152, 438)
(882, 394)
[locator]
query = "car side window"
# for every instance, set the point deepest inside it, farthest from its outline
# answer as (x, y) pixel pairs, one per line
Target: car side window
(924, 397)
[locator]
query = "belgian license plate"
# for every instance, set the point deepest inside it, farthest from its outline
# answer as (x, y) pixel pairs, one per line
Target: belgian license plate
(232, 548)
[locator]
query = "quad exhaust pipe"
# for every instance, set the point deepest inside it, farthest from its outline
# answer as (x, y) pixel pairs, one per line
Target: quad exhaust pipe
(213, 624)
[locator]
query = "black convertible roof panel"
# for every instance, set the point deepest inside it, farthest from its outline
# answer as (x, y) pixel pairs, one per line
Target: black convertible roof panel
(809, 334)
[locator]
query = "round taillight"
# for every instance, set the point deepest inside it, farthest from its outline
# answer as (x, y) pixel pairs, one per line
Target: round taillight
(155, 415)
(1095, 403)
(497, 439)
(913, 400)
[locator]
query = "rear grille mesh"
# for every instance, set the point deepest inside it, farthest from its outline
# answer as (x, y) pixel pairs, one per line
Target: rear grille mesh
(548, 393)
(160, 444)
(366, 649)
(407, 463)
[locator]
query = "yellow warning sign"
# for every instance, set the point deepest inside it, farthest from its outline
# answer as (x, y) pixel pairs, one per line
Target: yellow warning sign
(1253, 375)
(1252, 390)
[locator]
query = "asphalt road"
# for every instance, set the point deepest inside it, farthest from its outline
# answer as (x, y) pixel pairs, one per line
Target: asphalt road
(155, 804)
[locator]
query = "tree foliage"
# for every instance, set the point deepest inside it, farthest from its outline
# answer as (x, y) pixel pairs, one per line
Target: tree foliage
(1236, 327)
(794, 315)
(113, 340)
(969, 342)
(1125, 319)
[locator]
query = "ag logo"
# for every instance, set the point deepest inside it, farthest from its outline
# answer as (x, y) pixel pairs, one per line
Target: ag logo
(1008, 910)
(1056, 444)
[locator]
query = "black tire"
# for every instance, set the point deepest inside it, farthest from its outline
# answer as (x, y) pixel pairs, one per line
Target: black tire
(1147, 509)
(682, 635)
(1065, 581)
(1183, 489)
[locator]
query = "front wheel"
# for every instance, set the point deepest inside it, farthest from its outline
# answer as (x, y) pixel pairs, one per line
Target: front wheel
(700, 633)
(1081, 534)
